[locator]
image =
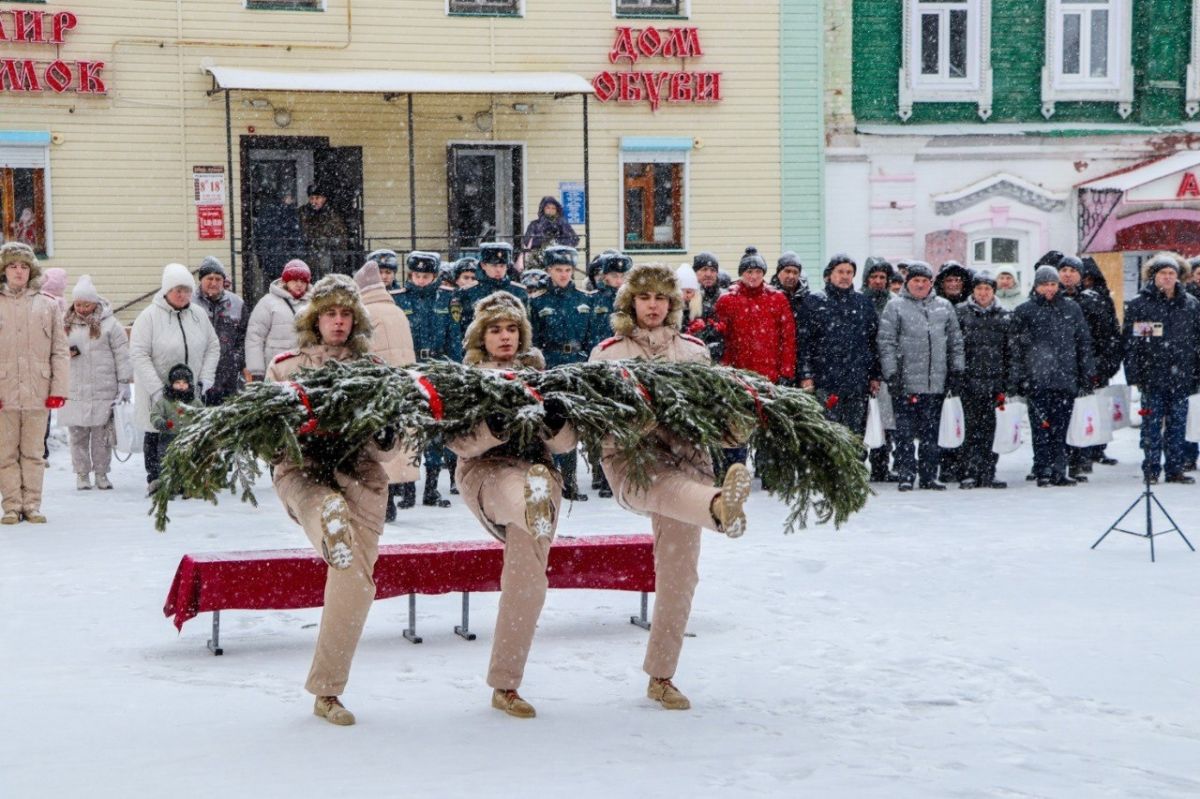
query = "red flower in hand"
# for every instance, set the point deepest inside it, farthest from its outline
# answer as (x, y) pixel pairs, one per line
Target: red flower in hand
(1045, 424)
(831, 401)
(696, 325)
(54, 403)
(1143, 412)
(170, 424)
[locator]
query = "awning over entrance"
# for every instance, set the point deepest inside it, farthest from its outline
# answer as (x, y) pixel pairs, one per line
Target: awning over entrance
(399, 81)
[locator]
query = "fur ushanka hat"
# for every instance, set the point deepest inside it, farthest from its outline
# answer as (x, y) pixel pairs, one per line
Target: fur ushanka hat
(646, 279)
(334, 291)
(501, 307)
(20, 252)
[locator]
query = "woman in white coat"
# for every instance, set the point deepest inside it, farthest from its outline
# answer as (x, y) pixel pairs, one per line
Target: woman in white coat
(100, 376)
(272, 327)
(169, 332)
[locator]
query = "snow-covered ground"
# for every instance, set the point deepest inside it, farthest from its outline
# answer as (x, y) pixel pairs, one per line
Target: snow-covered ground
(957, 644)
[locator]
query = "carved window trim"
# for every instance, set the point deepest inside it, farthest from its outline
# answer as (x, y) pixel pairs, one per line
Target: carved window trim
(975, 88)
(1118, 88)
(1192, 106)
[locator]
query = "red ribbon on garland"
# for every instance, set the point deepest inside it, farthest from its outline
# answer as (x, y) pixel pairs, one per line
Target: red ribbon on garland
(641, 389)
(529, 389)
(435, 400)
(758, 406)
(310, 424)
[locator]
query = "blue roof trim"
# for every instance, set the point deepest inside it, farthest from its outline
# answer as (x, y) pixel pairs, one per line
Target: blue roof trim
(29, 137)
(655, 143)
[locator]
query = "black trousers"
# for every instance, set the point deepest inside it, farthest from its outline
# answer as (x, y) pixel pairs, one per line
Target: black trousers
(1050, 416)
(975, 455)
(917, 418)
(150, 455)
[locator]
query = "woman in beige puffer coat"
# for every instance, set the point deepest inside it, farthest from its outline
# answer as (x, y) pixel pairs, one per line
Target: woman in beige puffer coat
(100, 376)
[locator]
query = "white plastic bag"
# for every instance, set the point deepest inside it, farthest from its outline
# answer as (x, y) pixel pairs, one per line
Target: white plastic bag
(1119, 396)
(952, 429)
(886, 414)
(873, 438)
(1086, 427)
(128, 436)
(1193, 419)
(1008, 428)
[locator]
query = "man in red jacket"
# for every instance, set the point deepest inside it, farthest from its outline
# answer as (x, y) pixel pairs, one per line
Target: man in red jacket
(760, 332)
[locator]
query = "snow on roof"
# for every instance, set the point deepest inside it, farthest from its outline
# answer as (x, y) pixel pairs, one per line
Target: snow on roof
(400, 81)
(1145, 172)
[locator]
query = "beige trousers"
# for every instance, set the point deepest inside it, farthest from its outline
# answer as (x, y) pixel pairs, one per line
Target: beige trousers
(678, 502)
(494, 490)
(350, 592)
(22, 465)
(91, 448)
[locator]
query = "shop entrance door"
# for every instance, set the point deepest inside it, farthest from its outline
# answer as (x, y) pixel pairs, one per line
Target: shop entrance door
(485, 190)
(276, 174)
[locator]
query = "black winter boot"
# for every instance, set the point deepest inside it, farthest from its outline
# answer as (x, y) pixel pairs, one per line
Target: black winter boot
(407, 492)
(570, 483)
(431, 497)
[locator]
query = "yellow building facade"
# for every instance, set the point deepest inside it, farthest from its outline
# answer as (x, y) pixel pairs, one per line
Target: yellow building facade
(118, 155)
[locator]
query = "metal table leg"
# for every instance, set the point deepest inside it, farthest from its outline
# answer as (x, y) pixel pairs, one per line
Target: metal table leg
(214, 643)
(643, 620)
(411, 632)
(461, 629)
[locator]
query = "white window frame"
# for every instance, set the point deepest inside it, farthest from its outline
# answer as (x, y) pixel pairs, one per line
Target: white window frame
(685, 12)
(655, 157)
(520, 12)
(975, 88)
(1116, 87)
(33, 156)
(1193, 71)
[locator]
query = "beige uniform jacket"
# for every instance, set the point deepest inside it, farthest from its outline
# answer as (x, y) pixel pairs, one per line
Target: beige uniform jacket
(391, 340)
(34, 363)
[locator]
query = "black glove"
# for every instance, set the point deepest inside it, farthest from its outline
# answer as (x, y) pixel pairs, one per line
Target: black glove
(385, 439)
(495, 423)
(211, 397)
(556, 414)
(895, 386)
(955, 382)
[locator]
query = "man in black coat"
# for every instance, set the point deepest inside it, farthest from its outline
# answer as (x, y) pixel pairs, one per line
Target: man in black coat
(1051, 364)
(984, 325)
(706, 327)
(1101, 320)
(837, 349)
(877, 274)
(1162, 358)
(953, 283)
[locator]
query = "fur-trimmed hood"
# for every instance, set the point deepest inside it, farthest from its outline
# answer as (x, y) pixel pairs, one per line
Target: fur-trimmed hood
(642, 279)
(329, 292)
(496, 307)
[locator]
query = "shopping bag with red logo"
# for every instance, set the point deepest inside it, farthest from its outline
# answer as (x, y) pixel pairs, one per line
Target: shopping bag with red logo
(1086, 428)
(953, 426)
(1119, 396)
(873, 438)
(1193, 419)
(1008, 428)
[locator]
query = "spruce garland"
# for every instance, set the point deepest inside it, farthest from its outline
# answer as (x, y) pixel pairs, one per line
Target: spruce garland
(809, 462)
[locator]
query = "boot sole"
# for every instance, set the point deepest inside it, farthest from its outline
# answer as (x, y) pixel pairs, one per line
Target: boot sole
(339, 722)
(336, 532)
(539, 507)
(735, 490)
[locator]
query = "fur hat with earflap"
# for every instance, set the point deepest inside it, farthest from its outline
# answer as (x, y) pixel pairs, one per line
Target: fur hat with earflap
(334, 291)
(646, 279)
(19, 252)
(501, 307)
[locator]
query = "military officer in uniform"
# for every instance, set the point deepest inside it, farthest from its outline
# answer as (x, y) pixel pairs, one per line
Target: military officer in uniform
(495, 257)
(435, 337)
(389, 265)
(608, 272)
(563, 329)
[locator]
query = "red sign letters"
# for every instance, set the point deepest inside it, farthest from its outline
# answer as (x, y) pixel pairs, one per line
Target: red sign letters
(656, 86)
(25, 27)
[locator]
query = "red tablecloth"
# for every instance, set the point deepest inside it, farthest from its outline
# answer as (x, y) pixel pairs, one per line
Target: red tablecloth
(284, 579)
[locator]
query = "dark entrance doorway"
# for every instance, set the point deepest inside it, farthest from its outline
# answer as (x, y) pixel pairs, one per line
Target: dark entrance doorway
(276, 174)
(485, 191)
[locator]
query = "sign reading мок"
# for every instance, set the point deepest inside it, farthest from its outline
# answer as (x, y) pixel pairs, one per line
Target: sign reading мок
(656, 86)
(18, 74)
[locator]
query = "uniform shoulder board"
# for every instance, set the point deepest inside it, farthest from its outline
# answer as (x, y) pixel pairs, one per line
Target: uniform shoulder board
(692, 339)
(608, 342)
(285, 356)
(446, 288)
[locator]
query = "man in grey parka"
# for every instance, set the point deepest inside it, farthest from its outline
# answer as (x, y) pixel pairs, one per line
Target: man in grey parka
(921, 355)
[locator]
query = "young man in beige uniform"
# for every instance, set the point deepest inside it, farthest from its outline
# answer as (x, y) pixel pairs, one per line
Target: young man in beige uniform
(681, 498)
(35, 371)
(344, 524)
(514, 492)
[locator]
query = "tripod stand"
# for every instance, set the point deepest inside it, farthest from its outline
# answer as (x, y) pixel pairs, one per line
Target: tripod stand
(1148, 497)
